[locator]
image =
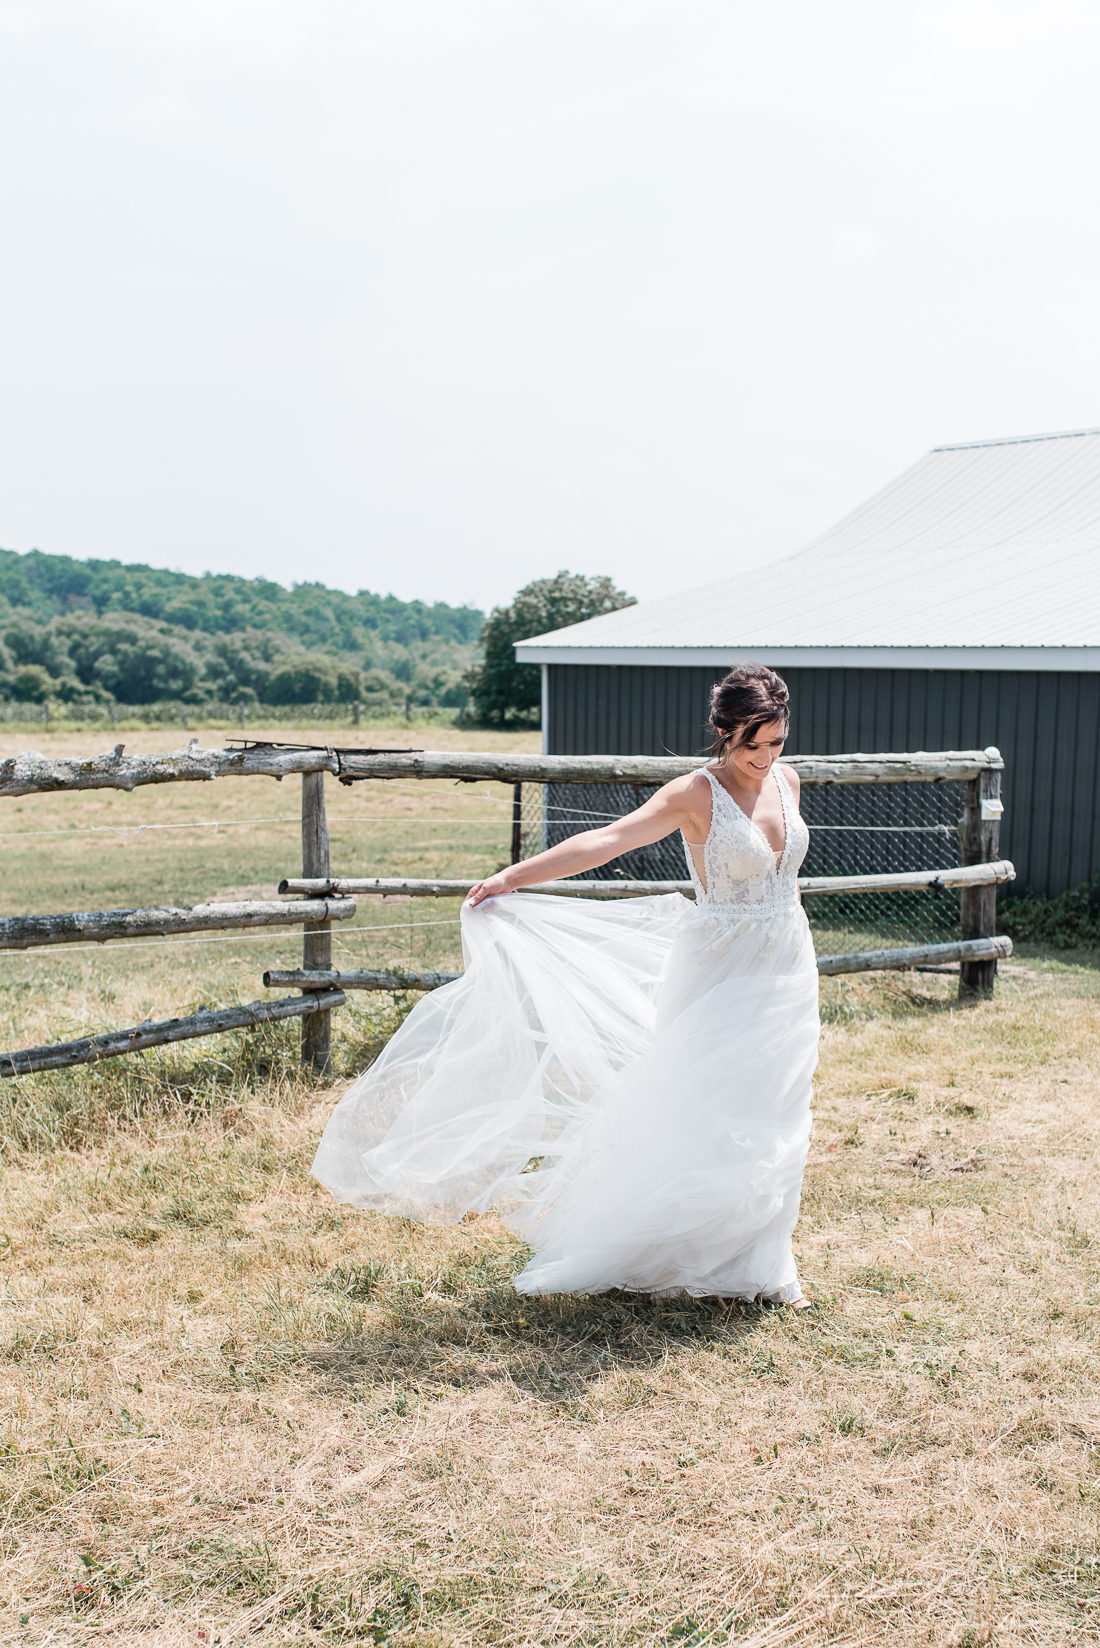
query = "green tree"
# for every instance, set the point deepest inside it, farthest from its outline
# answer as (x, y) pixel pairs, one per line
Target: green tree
(126, 657)
(302, 678)
(503, 690)
(37, 644)
(313, 678)
(239, 666)
(30, 684)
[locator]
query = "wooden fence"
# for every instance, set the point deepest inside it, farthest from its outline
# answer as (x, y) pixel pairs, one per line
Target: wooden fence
(317, 898)
(33, 774)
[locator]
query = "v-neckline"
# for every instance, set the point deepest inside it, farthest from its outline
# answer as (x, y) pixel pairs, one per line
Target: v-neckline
(777, 859)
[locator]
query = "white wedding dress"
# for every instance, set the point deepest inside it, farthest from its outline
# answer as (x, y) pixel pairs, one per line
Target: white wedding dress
(627, 1083)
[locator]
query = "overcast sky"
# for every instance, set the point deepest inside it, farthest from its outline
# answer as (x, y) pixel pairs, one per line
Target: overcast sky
(439, 296)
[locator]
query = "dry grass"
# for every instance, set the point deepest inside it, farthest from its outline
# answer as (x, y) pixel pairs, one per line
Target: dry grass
(239, 1413)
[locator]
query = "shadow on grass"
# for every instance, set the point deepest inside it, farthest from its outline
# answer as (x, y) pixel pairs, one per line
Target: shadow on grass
(858, 998)
(554, 1347)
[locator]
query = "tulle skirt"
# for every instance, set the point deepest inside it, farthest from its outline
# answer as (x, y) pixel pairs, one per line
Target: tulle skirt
(627, 1083)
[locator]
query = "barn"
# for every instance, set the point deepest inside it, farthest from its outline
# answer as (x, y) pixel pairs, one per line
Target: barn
(957, 608)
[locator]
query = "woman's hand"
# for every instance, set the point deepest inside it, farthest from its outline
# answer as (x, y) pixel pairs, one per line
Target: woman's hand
(493, 888)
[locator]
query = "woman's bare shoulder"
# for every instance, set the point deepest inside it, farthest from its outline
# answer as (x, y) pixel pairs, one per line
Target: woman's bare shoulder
(690, 793)
(691, 787)
(684, 784)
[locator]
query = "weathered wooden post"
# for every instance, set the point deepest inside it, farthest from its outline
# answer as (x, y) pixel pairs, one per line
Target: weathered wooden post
(355, 713)
(517, 823)
(980, 834)
(317, 935)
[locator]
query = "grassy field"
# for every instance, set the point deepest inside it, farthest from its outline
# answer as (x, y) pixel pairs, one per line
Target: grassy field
(237, 1413)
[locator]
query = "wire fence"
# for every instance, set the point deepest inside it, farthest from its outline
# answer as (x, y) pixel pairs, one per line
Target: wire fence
(875, 829)
(855, 829)
(172, 713)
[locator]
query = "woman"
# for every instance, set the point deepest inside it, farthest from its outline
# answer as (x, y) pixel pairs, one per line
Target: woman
(653, 1058)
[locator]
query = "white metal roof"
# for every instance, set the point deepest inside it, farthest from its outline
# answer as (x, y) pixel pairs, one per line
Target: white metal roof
(984, 555)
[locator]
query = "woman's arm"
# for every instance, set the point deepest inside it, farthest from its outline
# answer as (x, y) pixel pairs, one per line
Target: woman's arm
(678, 805)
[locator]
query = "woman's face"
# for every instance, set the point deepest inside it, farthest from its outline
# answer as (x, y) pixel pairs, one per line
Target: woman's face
(752, 762)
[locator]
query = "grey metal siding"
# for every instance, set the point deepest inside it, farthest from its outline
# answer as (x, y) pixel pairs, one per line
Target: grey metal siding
(1046, 724)
(616, 709)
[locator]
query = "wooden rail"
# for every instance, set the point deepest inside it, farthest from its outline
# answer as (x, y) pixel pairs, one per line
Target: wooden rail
(206, 1022)
(864, 961)
(32, 773)
(328, 979)
(33, 932)
(406, 887)
(972, 875)
(919, 767)
(902, 881)
(985, 950)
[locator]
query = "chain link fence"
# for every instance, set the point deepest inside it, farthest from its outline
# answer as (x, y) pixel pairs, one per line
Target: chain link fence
(855, 829)
(877, 829)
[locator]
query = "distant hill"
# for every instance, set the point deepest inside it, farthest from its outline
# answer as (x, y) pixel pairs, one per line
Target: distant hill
(100, 630)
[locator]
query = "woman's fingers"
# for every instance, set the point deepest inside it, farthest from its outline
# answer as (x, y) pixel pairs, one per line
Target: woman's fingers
(493, 888)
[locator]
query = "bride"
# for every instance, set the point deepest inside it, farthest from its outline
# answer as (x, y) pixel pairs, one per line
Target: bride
(628, 1082)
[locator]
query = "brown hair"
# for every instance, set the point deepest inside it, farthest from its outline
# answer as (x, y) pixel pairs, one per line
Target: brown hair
(748, 698)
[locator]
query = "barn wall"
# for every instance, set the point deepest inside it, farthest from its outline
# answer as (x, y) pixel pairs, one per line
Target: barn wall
(620, 709)
(1046, 725)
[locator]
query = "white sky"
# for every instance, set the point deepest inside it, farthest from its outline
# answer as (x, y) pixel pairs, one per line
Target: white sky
(438, 296)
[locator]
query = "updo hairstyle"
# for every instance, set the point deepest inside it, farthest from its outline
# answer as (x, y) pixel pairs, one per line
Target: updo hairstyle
(748, 698)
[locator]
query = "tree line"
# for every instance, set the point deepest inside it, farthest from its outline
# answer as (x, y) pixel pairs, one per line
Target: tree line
(99, 632)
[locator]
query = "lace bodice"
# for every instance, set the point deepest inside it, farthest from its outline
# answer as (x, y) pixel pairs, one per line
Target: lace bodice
(742, 877)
